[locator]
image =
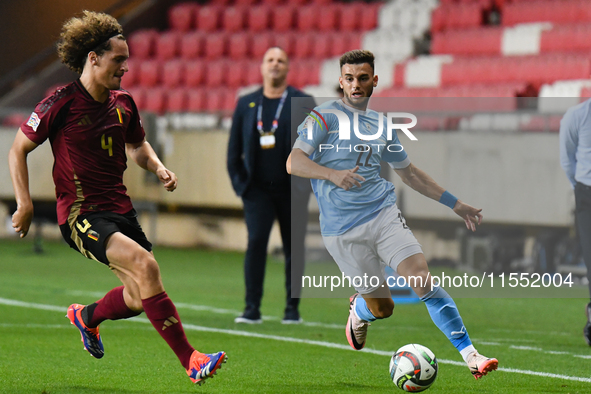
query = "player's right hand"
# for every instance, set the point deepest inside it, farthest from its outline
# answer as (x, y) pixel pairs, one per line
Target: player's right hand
(472, 216)
(346, 179)
(21, 220)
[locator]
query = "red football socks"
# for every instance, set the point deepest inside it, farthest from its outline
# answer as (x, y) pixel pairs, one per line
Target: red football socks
(110, 307)
(165, 319)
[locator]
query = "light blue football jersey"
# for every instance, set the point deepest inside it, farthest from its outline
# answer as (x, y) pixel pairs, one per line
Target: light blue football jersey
(319, 137)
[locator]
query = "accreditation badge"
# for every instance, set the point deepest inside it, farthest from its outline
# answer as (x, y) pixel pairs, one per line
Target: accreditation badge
(267, 140)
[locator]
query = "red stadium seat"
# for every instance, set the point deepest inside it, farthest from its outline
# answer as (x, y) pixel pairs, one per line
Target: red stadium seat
(196, 100)
(245, 2)
(282, 18)
(194, 73)
(155, 100)
(349, 19)
(233, 18)
(191, 45)
(399, 74)
(328, 17)
(139, 96)
(272, 2)
(484, 41)
(215, 45)
(131, 77)
(238, 45)
(438, 19)
(576, 67)
(564, 11)
(261, 42)
(173, 73)
(215, 72)
(307, 17)
(141, 43)
(344, 42)
(293, 77)
(303, 44)
(181, 17)
(322, 45)
(167, 45)
(456, 16)
(215, 99)
(176, 100)
(566, 38)
(464, 15)
(208, 18)
(236, 73)
(478, 41)
(369, 16)
(452, 73)
(286, 42)
(149, 73)
(258, 18)
(253, 73)
(535, 70)
(230, 100)
(309, 72)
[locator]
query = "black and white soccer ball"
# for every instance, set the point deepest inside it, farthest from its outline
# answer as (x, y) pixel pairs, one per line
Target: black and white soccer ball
(413, 368)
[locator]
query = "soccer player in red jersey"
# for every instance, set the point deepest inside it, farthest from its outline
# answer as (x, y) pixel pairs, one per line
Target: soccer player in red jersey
(91, 124)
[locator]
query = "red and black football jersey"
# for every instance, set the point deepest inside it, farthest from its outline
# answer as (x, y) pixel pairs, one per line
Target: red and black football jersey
(88, 141)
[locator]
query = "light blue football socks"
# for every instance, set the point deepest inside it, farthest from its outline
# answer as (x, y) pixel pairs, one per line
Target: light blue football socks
(443, 312)
(362, 311)
(445, 315)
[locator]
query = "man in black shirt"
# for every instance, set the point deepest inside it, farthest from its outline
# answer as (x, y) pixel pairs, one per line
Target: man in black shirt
(260, 142)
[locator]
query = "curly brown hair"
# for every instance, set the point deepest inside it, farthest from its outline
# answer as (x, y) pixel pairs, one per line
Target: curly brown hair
(358, 56)
(89, 33)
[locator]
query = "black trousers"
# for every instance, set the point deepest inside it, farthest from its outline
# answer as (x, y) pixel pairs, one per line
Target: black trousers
(261, 207)
(583, 218)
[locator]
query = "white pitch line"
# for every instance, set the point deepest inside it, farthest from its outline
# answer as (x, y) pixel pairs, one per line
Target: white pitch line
(59, 326)
(535, 349)
(193, 327)
(532, 332)
(221, 311)
(23, 304)
(29, 325)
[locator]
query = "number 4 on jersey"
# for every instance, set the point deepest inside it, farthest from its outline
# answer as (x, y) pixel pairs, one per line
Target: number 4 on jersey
(107, 144)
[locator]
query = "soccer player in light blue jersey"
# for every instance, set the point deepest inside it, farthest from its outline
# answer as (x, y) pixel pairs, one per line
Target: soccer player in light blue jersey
(575, 158)
(361, 225)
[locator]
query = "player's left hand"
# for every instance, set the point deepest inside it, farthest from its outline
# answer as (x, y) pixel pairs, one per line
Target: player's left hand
(168, 179)
(471, 215)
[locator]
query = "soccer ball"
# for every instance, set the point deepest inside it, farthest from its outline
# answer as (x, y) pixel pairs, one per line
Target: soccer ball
(413, 368)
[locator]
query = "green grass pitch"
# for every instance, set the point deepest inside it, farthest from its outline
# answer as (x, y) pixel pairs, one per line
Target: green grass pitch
(538, 342)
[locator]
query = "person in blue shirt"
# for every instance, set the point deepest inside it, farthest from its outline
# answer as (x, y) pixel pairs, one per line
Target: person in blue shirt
(362, 228)
(575, 158)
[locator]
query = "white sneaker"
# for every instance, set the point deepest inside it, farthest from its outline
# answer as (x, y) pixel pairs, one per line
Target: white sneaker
(356, 329)
(480, 365)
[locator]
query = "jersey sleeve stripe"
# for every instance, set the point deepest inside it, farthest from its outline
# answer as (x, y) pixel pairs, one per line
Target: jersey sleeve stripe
(307, 148)
(398, 165)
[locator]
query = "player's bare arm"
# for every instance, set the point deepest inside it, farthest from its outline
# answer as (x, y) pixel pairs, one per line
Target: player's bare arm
(145, 157)
(302, 166)
(420, 181)
(19, 172)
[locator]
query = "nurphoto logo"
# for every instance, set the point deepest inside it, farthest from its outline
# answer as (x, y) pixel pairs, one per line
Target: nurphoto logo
(345, 124)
